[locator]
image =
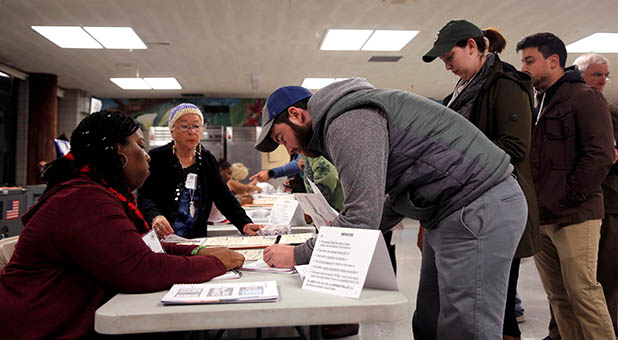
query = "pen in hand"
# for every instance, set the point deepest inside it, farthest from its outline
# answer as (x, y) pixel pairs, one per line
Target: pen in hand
(278, 239)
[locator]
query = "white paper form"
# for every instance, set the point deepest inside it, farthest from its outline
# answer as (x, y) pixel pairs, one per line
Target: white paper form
(315, 205)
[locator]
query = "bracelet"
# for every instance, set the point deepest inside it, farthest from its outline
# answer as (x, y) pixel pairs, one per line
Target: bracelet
(196, 250)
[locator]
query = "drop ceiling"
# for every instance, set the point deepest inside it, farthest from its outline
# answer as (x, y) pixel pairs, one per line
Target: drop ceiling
(247, 48)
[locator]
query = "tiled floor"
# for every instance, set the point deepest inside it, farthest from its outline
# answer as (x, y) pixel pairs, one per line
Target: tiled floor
(529, 288)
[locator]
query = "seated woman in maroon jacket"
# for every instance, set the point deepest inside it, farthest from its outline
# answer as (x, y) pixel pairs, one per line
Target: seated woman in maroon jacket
(82, 242)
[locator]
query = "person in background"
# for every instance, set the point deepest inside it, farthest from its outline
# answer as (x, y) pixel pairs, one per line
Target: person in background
(242, 191)
(595, 70)
(239, 172)
(435, 167)
(497, 98)
(185, 182)
(294, 183)
(571, 153)
(82, 242)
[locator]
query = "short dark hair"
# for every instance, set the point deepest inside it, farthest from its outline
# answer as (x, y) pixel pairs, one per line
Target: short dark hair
(223, 164)
(547, 43)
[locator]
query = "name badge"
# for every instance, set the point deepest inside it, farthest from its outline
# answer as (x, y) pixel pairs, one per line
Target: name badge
(152, 241)
(191, 182)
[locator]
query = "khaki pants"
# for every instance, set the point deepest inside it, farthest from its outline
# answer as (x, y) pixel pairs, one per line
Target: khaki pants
(567, 265)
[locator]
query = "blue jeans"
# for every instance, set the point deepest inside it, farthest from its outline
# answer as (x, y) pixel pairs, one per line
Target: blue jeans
(465, 267)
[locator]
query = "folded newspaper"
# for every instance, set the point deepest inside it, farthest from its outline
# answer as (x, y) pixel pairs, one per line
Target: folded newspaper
(237, 292)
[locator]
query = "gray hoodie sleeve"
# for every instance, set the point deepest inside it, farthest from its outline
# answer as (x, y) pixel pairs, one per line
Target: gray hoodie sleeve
(357, 141)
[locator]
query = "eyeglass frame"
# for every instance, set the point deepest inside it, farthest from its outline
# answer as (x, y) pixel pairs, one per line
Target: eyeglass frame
(188, 127)
(600, 75)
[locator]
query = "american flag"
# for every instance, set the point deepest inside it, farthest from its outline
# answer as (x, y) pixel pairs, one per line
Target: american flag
(12, 211)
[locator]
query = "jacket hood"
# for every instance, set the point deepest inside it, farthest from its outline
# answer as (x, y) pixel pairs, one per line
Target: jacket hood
(323, 99)
(571, 75)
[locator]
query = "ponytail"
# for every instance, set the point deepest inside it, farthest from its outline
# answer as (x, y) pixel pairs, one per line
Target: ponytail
(497, 42)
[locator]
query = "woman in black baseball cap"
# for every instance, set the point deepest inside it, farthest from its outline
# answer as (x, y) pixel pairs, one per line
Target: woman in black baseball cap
(498, 99)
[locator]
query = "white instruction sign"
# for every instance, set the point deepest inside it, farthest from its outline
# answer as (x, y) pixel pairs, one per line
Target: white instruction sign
(286, 212)
(344, 260)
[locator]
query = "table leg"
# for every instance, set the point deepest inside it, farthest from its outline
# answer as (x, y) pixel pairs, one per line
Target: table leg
(315, 332)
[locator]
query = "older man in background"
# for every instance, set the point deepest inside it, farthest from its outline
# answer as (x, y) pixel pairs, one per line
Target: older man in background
(595, 70)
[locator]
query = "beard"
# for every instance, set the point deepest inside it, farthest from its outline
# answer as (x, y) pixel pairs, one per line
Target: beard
(540, 82)
(303, 136)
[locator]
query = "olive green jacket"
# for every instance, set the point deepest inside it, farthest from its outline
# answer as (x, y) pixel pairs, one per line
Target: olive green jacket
(503, 112)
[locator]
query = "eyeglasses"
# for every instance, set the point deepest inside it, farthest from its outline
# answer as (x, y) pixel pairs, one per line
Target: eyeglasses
(599, 75)
(186, 128)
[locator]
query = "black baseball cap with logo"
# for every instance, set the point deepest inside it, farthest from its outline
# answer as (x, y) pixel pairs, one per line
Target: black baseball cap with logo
(452, 33)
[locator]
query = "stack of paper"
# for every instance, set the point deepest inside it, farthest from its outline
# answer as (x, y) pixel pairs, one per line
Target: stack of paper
(261, 266)
(240, 242)
(255, 242)
(237, 292)
(230, 274)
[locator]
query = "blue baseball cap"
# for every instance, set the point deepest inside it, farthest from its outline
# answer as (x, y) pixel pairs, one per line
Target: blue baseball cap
(277, 103)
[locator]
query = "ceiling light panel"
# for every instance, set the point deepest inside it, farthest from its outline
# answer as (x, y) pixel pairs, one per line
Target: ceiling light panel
(131, 83)
(67, 36)
(318, 83)
(389, 40)
(2, 74)
(116, 37)
(597, 43)
(345, 39)
(163, 83)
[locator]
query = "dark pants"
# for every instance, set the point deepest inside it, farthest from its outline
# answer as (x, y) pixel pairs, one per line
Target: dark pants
(510, 326)
(388, 236)
(607, 270)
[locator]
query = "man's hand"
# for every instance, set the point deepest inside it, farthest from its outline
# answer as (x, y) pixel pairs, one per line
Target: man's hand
(230, 258)
(161, 226)
(251, 229)
(419, 239)
(280, 255)
(261, 176)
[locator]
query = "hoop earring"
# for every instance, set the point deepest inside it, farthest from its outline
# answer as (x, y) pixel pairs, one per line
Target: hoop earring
(124, 159)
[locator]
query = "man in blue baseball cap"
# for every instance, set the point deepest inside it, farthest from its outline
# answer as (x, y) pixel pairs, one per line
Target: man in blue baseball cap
(432, 165)
(277, 103)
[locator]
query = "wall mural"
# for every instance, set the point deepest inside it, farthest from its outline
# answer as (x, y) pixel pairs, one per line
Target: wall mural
(217, 111)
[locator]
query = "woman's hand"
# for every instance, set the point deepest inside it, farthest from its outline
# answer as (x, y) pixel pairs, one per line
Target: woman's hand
(161, 226)
(251, 229)
(231, 259)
